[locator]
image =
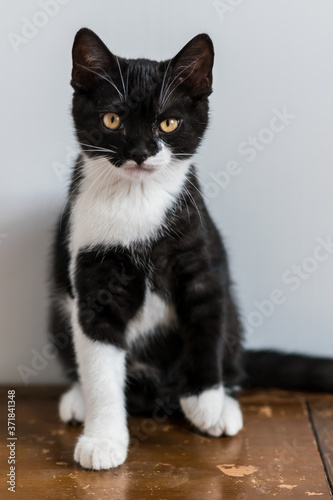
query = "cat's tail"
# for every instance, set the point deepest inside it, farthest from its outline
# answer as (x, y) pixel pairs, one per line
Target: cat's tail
(278, 370)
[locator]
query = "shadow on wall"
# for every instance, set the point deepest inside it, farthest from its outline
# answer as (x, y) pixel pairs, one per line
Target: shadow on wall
(25, 250)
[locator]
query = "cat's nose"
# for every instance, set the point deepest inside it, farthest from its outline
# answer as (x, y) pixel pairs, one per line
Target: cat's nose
(139, 155)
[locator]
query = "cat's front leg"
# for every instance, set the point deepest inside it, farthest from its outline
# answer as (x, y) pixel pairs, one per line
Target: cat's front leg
(104, 442)
(107, 295)
(201, 307)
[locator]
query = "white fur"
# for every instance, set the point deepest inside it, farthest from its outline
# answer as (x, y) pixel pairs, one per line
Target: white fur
(204, 410)
(100, 453)
(213, 412)
(105, 439)
(72, 404)
(114, 207)
(154, 312)
(230, 422)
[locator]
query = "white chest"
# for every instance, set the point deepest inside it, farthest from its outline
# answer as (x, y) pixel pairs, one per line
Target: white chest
(115, 211)
(154, 312)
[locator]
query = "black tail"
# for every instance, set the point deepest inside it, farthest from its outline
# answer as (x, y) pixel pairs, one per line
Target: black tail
(288, 371)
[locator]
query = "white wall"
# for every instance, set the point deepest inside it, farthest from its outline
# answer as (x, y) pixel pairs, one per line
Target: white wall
(270, 55)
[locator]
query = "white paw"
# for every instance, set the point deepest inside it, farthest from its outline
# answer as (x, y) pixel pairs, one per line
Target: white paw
(72, 405)
(204, 410)
(100, 453)
(213, 412)
(230, 421)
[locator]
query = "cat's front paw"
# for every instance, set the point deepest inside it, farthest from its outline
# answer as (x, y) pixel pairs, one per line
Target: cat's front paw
(213, 412)
(100, 453)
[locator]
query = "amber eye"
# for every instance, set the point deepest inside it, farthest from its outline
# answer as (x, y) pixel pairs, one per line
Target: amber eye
(169, 125)
(112, 121)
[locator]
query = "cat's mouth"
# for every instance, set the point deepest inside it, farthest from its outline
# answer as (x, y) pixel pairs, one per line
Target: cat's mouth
(136, 169)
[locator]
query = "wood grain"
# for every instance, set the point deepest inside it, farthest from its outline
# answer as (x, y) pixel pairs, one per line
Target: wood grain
(321, 411)
(275, 455)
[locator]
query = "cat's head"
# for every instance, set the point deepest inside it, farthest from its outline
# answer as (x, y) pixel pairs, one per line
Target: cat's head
(141, 115)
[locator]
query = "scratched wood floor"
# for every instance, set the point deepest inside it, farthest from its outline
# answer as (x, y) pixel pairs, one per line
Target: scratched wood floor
(285, 451)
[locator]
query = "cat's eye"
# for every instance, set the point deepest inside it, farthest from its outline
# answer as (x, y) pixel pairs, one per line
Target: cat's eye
(112, 121)
(169, 125)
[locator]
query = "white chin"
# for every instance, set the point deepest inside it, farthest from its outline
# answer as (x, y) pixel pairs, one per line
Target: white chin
(137, 171)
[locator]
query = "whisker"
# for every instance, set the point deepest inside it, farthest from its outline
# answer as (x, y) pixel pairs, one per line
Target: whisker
(182, 154)
(101, 153)
(127, 83)
(91, 185)
(97, 148)
(121, 76)
(163, 82)
(176, 77)
(98, 161)
(106, 78)
(207, 171)
(194, 204)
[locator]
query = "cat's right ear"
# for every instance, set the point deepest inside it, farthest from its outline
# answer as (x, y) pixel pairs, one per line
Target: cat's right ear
(91, 60)
(193, 66)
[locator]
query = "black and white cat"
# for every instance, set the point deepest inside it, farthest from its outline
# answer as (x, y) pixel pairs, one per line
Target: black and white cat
(141, 286)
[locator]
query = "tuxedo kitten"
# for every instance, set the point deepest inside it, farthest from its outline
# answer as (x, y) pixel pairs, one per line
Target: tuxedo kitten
(142, 306)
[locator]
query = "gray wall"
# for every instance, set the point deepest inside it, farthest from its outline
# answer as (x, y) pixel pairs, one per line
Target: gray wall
(272, 198)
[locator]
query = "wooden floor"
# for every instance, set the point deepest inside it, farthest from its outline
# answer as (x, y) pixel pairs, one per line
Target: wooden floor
(285, 451)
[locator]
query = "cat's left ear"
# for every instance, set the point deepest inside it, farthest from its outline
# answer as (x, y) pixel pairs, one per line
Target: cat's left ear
(193, 66)
(91, 60)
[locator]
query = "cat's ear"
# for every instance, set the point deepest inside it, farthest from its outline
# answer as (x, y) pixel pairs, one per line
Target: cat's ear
(91, 59)
(193, 65)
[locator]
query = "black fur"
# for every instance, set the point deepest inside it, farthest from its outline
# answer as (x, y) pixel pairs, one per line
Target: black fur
(288, 371)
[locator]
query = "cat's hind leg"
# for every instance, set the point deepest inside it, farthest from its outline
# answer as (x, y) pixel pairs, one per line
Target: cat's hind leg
(72, 405)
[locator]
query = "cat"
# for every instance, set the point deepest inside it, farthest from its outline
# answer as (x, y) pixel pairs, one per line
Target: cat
(141, 289)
